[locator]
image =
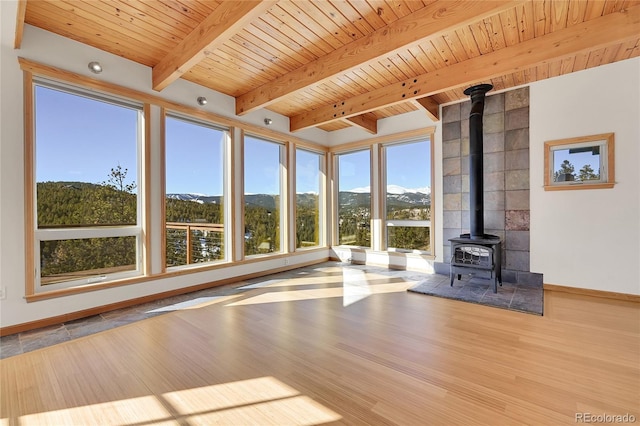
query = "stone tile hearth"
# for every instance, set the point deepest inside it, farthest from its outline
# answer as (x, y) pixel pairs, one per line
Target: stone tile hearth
(520, 297)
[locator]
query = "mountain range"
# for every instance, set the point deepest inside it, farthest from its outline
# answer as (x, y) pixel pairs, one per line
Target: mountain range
(396, 190)
(396, 196)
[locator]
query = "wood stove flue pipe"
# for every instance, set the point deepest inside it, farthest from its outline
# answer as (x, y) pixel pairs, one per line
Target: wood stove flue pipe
(476, 166)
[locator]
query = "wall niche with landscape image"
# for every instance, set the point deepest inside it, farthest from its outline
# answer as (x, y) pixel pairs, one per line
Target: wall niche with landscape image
(585, 162)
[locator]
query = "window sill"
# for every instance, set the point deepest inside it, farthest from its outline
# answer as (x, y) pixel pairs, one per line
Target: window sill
(43, 295)
(50, 294)
(573, 186)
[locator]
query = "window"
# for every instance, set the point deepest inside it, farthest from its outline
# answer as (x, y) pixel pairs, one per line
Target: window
(580, 163)
(354, 198)
(308, 189)
(87, 211)
(263, 188)
(194, 199)
(408, 196)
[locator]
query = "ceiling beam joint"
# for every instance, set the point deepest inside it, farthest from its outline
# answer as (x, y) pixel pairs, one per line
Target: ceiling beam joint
(367, 124)
(424, 24)
(617, 27)
(218, 27)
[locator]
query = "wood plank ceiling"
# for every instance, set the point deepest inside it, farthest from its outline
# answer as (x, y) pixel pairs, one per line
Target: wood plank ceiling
(332, 64)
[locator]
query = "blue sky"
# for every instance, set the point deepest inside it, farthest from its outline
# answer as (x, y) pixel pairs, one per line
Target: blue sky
(80, 139)
(193, 158)
(408, 166)
(307, 171)
(261, 166)
(577, 159)
(354, 170)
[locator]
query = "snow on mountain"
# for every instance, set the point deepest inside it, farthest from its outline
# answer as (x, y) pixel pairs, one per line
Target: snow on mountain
(397, 195)
(423, 190)
(196, 198)
(187, 196)
(359, 190)
(394, 189)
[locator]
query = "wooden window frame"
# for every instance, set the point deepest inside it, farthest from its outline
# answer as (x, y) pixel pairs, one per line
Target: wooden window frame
(226, 188)
(377, 207)
(34, 235)
(336, 208)
(237, 128)
(285, 220)
(383, 196)
(321, 195)
(550, 146)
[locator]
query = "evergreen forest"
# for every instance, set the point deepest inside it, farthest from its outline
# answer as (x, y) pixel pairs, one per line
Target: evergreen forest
(194, 231)
(194, 228)
(354, 216)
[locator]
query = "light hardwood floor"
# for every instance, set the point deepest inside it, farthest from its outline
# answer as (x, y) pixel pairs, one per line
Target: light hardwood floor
(349, 346)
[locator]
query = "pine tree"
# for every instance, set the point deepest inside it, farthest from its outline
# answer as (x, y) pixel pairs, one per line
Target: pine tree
(567, 172)
(587, 173)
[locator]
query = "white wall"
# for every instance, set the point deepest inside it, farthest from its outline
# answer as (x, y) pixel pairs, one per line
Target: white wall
(386, 126)
(588, 238)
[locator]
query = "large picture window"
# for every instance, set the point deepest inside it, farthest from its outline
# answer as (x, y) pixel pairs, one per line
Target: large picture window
(408, 196)
(263, 188)
(87, 194)
(354, 198)
(194, 196)
(308, 189)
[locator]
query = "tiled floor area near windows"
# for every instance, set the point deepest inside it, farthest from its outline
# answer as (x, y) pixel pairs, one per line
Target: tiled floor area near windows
(353, 280)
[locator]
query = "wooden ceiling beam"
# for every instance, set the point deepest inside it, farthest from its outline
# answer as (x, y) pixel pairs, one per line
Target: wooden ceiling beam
(431, 21)
(224, 22)
(22, 12)
(430, 106)
(365, 123)
(597, 33)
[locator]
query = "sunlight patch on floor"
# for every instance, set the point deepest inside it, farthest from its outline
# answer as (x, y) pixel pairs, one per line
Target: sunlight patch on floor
(142, 410)
(262, 284)
(264, 400)
(355, 285)
(298, 410)
(294, 282)
(197, 303)
(227, 395)
(319, 293)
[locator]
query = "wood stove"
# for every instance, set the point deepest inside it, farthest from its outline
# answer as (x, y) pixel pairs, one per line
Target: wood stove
(481, 257)
(476, 253)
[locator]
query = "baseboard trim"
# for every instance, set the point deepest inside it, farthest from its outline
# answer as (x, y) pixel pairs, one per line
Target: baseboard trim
(594, 293)
(71, 316)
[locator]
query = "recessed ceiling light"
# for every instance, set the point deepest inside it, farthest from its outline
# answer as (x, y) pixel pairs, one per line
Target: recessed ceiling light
(95, 67)
(268, 121)
(202, 100)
